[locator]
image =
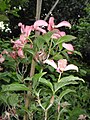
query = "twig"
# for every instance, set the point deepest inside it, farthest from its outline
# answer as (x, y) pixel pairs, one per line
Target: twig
(53, 7)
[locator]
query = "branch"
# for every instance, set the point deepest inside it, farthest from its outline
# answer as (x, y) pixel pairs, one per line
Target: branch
(53, 7)
(38, 9)
(32, 71)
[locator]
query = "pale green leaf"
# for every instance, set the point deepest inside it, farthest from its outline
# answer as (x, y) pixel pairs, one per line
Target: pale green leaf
(59, 85)
(66, 38)
(14, 87)
(63, 93)
(47, 83)
(36, 79)
(70, 78)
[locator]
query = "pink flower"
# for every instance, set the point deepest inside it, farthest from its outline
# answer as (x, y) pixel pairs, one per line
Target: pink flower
(13, 54)
(2, 59)
(20, 53)
(26, 29)
(62, 65)
(17, 44)
(57, 34)
(51, 25)
(68, 47)
(5, 52)
(23, 39)
(39, 24)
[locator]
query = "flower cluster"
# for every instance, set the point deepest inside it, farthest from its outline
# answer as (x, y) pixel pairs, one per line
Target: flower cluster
(62, 65)
(39, 26)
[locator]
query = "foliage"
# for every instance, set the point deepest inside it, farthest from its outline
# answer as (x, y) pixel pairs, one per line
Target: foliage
(33, 77)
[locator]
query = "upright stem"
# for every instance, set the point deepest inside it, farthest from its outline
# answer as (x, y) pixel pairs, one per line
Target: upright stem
(38, 9)
(29, 95)
(46, 114)
(58, 116)
(32, 71)
(59, 77)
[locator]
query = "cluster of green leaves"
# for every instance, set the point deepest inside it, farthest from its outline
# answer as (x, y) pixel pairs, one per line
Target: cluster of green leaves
(15, 77)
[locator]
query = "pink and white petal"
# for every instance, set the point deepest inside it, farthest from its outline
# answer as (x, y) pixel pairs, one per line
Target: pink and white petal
(22, 27)
(20, 53)
(4, 52)
(2, 59)
(40, 23)
(63, 23)
(51, 62)
(13, 54)
(62, 63)
(51, 23)
(40, 30)
(71, 67)
(28, 30)
(62, 33)
(55, 36)
(68, 46)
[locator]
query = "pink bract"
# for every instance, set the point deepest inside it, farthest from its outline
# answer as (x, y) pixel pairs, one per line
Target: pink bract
(2, 59)
(51, 24)
(39, 24)
(57, 34)
(13, 54)
(51, 62)
(62, 65)
(26, 29)
(20, 53)
(68, 47)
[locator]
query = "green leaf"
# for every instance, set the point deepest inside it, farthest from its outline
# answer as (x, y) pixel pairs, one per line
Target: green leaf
(14, 87)
(65, 38)
(30, 51)
(59, 85)
(20, 77)
(47, 37)
(70, 78)
(3, 5)
(5, 76)
(78, 53)
(57, 56)
(39, 41)
(36, 79)
(3, 98)
(67, 81)
(47, 83)
(13, 99)
(63, 93)
(28, 79)
(65, 54)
